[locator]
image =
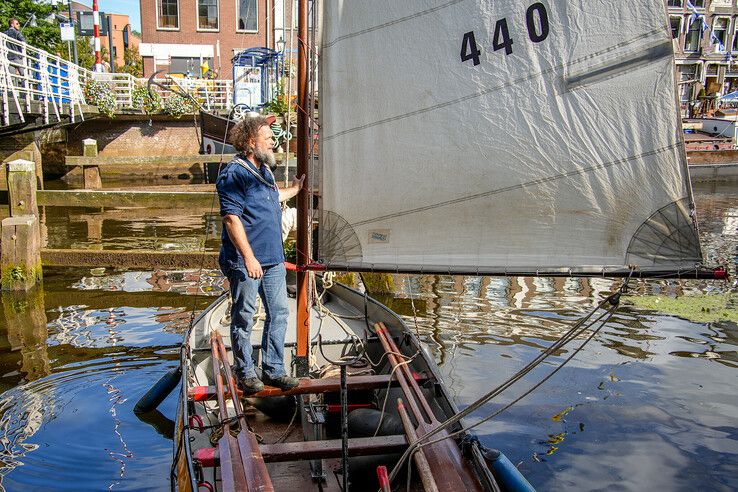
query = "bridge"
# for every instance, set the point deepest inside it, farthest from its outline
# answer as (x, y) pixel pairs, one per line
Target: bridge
(41, 90)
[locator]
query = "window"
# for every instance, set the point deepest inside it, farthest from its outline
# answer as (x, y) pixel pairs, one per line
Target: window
(720, 34)
(168, 17)
(207, 14)
(688, 75)
(694, 34)
(698, 3)
(676, 27)
(735, 36)
(674, 3)
(247, 16)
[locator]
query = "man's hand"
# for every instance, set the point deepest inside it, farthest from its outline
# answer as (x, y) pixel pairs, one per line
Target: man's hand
(287, 193)
(253, 267)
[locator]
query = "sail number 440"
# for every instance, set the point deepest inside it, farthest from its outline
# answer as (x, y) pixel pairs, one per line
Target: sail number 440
(536, 21)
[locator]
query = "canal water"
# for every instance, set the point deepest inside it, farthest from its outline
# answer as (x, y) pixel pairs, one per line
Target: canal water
(649, 403)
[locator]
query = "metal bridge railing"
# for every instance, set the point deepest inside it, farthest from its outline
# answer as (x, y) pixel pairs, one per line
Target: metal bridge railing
(35, 81)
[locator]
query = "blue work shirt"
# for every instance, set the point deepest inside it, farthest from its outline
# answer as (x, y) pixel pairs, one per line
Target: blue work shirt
(256, 202)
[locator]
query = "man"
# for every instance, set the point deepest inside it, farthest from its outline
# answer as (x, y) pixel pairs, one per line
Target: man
(251, 254)
(14, 50)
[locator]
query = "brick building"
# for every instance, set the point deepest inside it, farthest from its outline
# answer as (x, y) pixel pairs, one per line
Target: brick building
(121, 28)
(705, 46)
(178, 36)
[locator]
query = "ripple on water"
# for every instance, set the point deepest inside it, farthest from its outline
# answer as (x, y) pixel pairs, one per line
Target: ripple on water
(90, 404)
(79, 326)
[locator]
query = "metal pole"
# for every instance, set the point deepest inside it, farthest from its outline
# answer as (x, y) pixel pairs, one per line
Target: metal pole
(303, 223)
(110, 44)
(344, 429)
(74, 41)
(96, 31)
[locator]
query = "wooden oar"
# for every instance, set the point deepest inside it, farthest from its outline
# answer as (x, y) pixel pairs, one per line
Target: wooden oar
(257, 476)
(421, 462)
(241, 464)
(449, 469)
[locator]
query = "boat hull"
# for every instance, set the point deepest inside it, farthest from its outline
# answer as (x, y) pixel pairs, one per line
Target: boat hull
(214, 134)
(301, 467)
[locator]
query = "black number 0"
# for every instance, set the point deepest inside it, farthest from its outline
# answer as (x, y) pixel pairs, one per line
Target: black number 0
(533, 34)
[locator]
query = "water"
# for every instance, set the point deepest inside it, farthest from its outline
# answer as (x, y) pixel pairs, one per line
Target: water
(649, 403)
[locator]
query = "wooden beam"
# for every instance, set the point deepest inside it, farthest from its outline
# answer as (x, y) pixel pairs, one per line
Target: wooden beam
(103, 160)
(307, 386)
(129, 259)
(310, 450)
(182, 200)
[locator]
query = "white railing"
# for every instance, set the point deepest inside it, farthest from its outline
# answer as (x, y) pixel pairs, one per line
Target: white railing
(32, 77)
(32, 81)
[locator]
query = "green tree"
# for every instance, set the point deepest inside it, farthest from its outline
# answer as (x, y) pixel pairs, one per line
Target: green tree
(85, 52)
(133, 63)
(45, 35)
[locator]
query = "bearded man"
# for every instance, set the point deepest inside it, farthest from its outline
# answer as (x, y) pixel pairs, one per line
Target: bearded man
(251, 254)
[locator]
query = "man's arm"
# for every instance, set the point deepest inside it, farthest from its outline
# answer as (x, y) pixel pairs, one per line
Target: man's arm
(287, 193)
(236, 232)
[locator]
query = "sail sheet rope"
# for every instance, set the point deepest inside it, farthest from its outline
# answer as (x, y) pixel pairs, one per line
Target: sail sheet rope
(606, 308)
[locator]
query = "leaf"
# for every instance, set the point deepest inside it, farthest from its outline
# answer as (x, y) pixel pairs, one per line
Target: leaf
(560, 415)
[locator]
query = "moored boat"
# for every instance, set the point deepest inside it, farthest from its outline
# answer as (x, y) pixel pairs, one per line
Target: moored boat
(505, 169)
(278, 440)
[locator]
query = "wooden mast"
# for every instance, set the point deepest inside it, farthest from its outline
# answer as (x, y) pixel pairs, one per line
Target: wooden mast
(303, 224)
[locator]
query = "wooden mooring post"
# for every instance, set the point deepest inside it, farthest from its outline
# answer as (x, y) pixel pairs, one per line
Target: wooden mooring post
(91, 174)
(20, 255)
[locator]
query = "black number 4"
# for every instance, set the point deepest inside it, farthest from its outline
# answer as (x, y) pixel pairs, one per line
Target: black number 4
(469, 49)
(502, 38)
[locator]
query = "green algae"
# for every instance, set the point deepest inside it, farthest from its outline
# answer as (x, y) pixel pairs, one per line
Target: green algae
(704, 308)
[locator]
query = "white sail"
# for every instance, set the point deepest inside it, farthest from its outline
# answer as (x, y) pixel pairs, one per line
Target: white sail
(501, 137)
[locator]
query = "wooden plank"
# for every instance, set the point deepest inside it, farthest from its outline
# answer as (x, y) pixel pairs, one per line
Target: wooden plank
(130, 258)
(307, 386)
(310, 450)
(153, 160)
(307, 450)
(183, 200)
(78, 160)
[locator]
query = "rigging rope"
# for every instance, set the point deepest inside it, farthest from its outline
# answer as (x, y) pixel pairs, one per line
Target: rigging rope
(577, 329)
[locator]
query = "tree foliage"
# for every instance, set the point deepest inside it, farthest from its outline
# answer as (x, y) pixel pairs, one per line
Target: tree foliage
(45, 35)
(133, 63)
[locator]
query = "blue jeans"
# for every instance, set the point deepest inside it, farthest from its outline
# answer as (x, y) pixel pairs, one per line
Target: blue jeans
(272, 288)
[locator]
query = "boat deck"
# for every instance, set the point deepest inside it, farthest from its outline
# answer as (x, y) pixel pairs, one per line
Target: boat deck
(297, 434)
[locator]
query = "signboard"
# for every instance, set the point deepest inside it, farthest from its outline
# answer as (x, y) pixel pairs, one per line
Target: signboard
(67, 31)
(247, 86)
(87, 25)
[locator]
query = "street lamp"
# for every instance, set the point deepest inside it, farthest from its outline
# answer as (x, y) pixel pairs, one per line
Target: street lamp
(280, 45)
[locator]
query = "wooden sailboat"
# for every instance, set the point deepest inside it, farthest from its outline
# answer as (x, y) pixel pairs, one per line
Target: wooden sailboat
(478, 147)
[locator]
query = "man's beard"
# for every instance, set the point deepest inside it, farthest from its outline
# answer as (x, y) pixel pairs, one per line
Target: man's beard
(265, 158)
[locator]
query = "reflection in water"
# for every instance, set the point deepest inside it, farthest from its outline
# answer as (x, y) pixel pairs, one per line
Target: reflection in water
(648, 404)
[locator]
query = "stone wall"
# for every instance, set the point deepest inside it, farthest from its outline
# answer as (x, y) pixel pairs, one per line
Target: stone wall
(125, 135)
